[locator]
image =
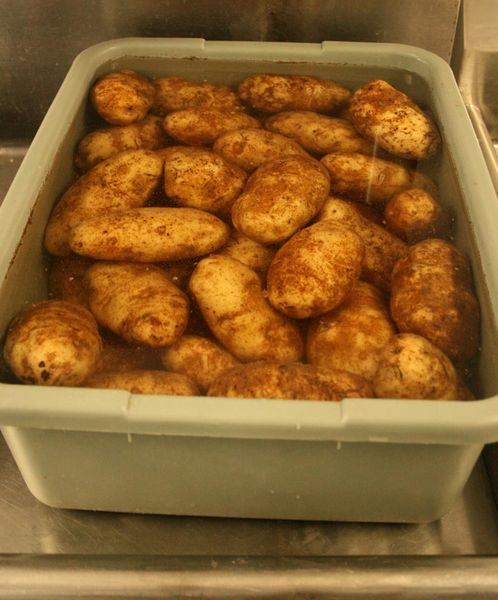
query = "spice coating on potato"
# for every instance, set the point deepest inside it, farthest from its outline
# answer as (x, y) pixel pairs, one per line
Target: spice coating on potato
(275, 93)
(175, 93)
(315, 270)
(200, 358)
(234, 306)
(250, 148)
(199, 178)
(150, 235)
(137, 302)
(53, 343)
(143, 381)
(411, 367)
(319, 133)
(123, 97)
(382, 248)
(279, 198)
(203, 126)
(294, 381)
(432, 296)
(351, 336)
(366, 179)
(99, 145)
(392, 120)
(124, 181)
(253, 254)
(415, 215)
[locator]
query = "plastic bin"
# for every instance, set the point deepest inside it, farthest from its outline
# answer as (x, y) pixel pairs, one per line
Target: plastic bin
(357, 460)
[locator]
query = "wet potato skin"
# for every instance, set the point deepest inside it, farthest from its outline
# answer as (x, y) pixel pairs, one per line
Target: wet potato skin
(149, 235)
(256, 256)
(123, 97)
(144, 381)
(389, 118)
(280, 197)
(432, 296)
(275, 93)
(199, 178)
(295, 381)
(231, 299)
(137, 302)
(315, 270)
(53, 343)
(121, 182)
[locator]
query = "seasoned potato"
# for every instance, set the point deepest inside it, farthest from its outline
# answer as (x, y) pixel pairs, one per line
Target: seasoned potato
(99, 145)
(234, 306)
(66, 279)
(411, 367)
(250, 148)
(175, 93)
(432, 296)
(415, 215)
(137, 302)
(117, 356)
(315, 270)
(199, 178)
(253, 254)
(382, 248)
(124, 181)
(368, 179)
(201, 127)
(276, 93)
(289, 382)
(319, 133)
(122, 97)
(150, 235)
(351, 336)
(143, 381)
(200, 358)
(279, 198)
(53, 343)
(392, 120)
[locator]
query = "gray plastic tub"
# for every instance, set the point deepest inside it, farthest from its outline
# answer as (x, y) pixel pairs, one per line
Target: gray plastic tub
(358, 460)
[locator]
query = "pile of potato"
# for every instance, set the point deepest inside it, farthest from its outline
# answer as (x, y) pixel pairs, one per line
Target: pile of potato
(273, 241)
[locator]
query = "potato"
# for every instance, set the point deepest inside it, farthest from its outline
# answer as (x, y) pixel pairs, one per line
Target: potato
(175, 93)
(276, 93)
(53, 343)
(432, 296)
(119, 356)
(289, 382)
(411, 367)
(250, 148)
(149, 235)
(315, 270)
(415, 215)
(200, 358)
(390, 119)
(137, 302)
(234, 306)
(66, 279)
(279, 198)
(124, 181)
(201, 127)
(253, 254)
(351, 336)
(318, 133)
(99, 145)
(382, 248)
(122, 97)
(143, 381)
(199, 178)
(368, 179)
